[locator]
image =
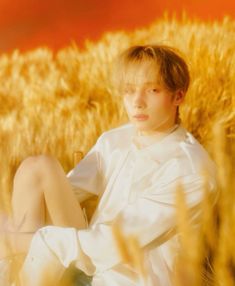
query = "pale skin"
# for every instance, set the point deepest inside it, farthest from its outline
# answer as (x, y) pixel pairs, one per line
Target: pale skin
(41, 195)
(146, 96)
(41, 192)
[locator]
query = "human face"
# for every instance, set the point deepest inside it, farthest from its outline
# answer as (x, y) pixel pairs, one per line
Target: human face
(149, 105)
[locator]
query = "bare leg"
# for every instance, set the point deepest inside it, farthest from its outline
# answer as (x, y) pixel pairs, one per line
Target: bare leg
(41, 190)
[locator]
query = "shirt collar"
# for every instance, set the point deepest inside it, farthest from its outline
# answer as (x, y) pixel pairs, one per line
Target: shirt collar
(164, 149)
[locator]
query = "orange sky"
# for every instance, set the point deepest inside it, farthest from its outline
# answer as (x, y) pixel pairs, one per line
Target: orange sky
(26, 24)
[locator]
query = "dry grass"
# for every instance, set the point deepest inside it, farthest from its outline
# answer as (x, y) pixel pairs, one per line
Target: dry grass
(60, 103)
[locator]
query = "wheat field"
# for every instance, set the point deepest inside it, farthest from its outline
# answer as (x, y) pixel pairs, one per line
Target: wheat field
(60, 102)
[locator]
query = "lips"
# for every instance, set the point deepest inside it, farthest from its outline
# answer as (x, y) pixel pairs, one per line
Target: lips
(141, 116)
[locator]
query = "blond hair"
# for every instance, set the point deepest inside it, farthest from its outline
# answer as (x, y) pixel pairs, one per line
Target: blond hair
(171, 69)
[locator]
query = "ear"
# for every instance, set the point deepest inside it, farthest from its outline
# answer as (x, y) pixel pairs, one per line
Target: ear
(179, 97)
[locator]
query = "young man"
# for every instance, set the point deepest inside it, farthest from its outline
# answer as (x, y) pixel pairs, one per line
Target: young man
(135, 169)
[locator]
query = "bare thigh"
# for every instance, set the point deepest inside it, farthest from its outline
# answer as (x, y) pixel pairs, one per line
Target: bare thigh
(41, 190)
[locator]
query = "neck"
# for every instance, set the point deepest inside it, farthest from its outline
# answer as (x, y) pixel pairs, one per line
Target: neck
(157, 132)
(143, 139)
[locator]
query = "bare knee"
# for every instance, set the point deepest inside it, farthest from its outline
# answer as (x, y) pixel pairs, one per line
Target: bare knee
(27, 168)
(46, 160)
(48, 165)
(33, 168)
(36, 163)
(33, 174)
(28, 162)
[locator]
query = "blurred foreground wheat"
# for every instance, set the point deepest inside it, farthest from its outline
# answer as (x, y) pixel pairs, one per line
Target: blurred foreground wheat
(59, 103)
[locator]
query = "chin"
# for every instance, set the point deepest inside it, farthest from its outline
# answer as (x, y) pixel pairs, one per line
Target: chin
(142, 127)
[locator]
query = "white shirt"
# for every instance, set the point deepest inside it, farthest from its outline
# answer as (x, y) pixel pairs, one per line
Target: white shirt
(139, 185)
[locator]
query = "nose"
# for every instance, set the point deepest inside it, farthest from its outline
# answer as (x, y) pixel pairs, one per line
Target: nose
(138, 100)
